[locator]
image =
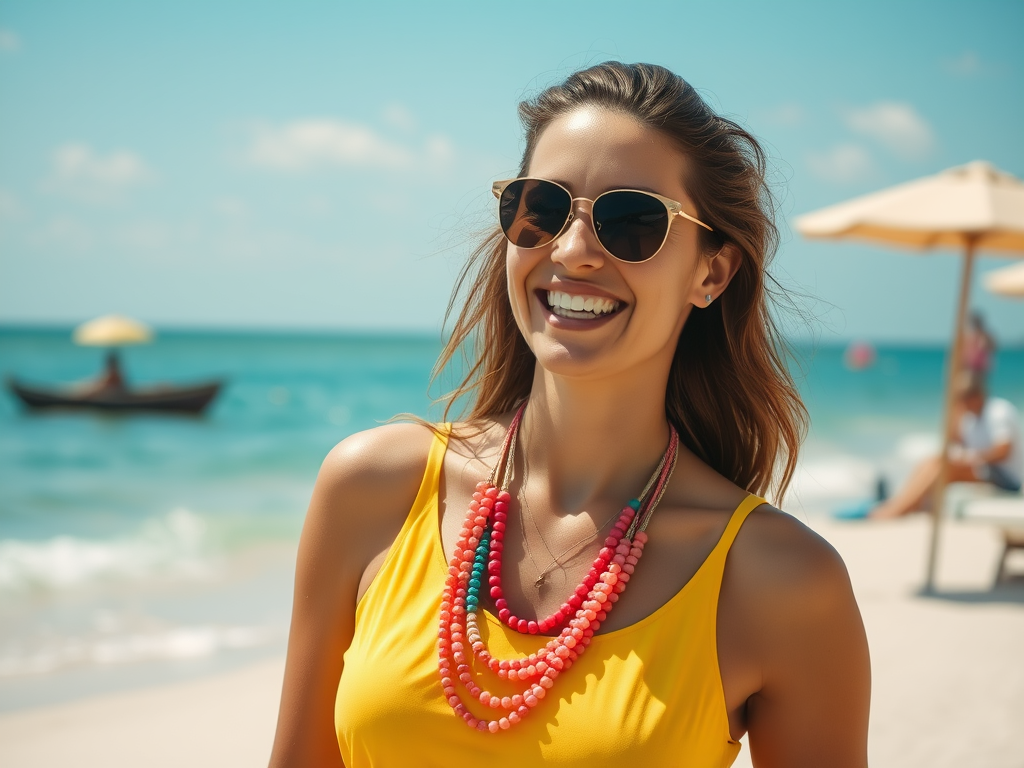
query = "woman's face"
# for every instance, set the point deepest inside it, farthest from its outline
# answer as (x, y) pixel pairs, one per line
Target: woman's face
(589, 151)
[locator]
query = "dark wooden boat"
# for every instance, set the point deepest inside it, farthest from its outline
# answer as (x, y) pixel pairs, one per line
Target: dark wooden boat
(164, 398)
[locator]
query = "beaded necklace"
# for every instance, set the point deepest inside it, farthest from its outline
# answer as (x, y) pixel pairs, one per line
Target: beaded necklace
(478, 554)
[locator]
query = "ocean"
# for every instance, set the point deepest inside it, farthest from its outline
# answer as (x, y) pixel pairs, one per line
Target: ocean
(144, 549)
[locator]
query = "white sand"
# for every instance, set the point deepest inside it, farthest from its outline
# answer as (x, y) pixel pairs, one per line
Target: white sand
(948, 675)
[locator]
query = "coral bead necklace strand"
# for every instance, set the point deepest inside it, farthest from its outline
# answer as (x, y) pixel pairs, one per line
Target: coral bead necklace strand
(477, 557)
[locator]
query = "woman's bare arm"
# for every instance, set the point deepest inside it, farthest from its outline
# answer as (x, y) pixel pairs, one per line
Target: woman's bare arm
(808, 642)
(362, 496)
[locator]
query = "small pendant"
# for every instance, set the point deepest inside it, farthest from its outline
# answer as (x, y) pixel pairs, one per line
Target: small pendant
(540, 581)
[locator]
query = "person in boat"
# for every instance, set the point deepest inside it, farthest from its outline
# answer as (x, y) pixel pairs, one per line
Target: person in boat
(584, 571)
(111, 380)
(987, 450)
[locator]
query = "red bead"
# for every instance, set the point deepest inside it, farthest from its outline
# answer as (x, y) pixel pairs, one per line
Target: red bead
(503, 615)
(496, 592)
(501, 603)
(523, 625)
(531, 627)
(504, 496)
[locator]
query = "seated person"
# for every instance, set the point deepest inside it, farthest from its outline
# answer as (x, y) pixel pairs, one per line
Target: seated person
(988, 451)
(110, 381)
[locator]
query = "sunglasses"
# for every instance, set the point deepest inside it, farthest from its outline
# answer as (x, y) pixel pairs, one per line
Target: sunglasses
(631, 225)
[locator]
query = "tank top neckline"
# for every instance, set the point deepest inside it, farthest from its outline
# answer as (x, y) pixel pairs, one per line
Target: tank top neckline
(736, 518)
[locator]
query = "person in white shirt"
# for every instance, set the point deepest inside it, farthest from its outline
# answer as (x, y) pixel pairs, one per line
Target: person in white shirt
(988, 451)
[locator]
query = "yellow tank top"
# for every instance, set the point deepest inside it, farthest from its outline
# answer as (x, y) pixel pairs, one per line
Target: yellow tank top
(648, 694)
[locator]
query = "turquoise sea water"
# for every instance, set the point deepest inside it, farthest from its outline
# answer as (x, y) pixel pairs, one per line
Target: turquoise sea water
(144, 548)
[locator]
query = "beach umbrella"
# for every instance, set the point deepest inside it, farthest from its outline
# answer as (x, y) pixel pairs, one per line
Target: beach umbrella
(970, 207)
(112, 331)
(1008, 281)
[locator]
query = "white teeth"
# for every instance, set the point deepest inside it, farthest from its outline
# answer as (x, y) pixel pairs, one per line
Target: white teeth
(580, 307)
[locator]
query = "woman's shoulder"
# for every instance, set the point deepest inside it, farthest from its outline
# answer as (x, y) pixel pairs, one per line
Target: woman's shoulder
(389, 452)
(377, 471)
(779, 561)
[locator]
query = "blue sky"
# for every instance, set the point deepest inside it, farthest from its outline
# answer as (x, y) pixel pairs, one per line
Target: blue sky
(327, 165)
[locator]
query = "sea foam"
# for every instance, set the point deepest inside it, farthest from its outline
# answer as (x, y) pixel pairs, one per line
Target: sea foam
(172, 546)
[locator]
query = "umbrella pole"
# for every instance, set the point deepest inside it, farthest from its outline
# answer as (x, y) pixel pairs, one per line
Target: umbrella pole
(949, 429)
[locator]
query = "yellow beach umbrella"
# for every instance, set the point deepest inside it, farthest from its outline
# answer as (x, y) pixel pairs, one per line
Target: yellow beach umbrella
(1008, 281)
(968, 207)
(112, 331)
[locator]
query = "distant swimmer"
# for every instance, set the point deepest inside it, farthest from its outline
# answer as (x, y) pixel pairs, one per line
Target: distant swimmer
(987, 450)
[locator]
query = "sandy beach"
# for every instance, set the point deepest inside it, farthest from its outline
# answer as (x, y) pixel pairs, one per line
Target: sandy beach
(948, 674)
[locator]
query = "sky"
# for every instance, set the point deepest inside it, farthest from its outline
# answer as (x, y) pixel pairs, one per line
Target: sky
(315, 165)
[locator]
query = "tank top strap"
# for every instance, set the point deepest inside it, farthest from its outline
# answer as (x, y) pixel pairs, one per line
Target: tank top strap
(716, 560)
(432, 474)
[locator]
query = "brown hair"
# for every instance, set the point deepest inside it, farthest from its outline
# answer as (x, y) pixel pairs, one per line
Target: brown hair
(738, 409)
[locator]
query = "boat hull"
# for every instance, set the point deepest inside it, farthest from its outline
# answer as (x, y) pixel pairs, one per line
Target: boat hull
(193, 399)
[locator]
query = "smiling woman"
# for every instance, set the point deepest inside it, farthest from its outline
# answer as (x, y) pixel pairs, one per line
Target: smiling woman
(629, 406)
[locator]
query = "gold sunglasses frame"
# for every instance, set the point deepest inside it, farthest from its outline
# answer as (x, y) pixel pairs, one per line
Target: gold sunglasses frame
(674, 208)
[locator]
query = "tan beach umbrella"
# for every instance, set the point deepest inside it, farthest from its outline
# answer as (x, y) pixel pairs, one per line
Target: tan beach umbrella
(969, 207)
(1008, 281)
(112, 331)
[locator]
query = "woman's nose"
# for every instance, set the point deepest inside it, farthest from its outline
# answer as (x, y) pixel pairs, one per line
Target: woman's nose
(578, 247)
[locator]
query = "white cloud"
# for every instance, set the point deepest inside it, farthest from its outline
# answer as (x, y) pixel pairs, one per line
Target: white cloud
(788, 115)
(9, 42)
(313, 144)
(895, 125)
(231, 207)
(844, 163)
(399, 116)
(66, 233)
(146, 235)
(10, 205)
(967, 64)
(77, 170)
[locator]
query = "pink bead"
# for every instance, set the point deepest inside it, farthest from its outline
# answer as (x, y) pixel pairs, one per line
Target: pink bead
(481, 725)
(504, 724)
(641, 538)
(569, 643)
(619, 559)
(546, 682)
(506, 702)
(601, 597)
(611, 541)
(629, 567)
(561, 652)
(453, 700)
(623, 577)
(513, 674)
(504, 496)
(632, 560)
(493, 726)
(531, 671)
(517, 701)
(531, 700)
(636, 551)
(500, 506)
(514, 718)
(539, 692)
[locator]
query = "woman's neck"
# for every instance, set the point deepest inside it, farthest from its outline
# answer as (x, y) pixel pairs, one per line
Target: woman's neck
(588, 440)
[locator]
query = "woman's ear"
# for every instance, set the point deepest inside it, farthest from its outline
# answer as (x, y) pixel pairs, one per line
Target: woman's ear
(721, 267)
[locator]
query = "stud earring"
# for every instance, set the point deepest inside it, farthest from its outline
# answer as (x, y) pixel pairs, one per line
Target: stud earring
(708, 298)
